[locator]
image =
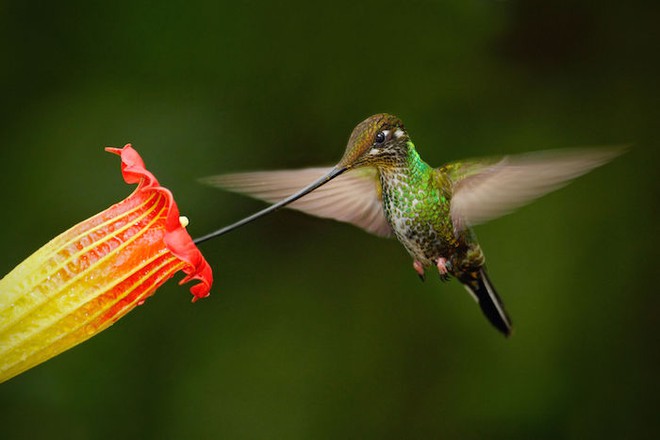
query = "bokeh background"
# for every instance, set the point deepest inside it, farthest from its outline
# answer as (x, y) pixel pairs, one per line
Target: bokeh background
(315, 329)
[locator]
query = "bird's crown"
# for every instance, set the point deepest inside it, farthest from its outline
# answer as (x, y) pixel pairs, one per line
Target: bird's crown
(373, 138)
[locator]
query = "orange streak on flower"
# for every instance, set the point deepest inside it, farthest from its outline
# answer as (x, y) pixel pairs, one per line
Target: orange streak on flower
(88, 277)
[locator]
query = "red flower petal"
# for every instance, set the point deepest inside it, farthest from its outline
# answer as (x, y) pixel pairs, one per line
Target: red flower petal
(176, 237)
(88, 277)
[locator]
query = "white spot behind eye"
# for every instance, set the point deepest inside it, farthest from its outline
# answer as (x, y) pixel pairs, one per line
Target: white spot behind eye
(374, 151)
(398, 133)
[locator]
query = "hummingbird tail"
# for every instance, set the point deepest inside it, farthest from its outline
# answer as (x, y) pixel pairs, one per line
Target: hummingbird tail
(479, 286)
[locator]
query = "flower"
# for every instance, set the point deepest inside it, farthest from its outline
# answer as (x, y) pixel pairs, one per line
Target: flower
(88, 277)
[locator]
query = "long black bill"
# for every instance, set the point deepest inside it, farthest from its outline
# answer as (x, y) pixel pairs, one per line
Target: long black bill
(272, 208)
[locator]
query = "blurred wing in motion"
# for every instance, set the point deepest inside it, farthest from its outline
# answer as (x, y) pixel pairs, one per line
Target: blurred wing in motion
(484, 191)
(353, 197)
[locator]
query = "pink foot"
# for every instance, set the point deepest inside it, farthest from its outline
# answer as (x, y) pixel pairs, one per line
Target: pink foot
(419, 269)
(442, 268)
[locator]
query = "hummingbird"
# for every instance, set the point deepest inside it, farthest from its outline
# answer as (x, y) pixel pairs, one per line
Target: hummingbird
(382, 185)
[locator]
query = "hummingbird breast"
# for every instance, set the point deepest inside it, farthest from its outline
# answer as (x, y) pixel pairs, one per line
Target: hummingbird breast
(417, 209)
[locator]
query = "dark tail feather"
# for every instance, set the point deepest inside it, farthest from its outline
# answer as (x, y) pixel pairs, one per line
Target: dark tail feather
(480, 287)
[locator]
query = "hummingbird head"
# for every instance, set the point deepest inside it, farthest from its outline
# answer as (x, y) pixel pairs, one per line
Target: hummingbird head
(379, 140)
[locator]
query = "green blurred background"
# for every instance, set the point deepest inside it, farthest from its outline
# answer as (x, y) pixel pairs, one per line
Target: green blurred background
(315, 329)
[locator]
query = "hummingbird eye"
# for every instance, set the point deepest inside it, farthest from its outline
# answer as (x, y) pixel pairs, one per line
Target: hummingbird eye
(380, 137)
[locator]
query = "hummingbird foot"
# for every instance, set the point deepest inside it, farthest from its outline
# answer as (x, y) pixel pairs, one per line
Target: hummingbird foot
(442, 269)
(419, 268)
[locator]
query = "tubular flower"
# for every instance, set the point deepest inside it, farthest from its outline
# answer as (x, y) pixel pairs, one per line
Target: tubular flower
(88, 277)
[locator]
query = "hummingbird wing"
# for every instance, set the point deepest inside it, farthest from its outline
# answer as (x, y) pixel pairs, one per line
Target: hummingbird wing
(483, 191)
(352, 197)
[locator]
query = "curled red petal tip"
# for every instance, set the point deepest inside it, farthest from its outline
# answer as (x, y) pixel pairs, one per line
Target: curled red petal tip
(176, 238)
